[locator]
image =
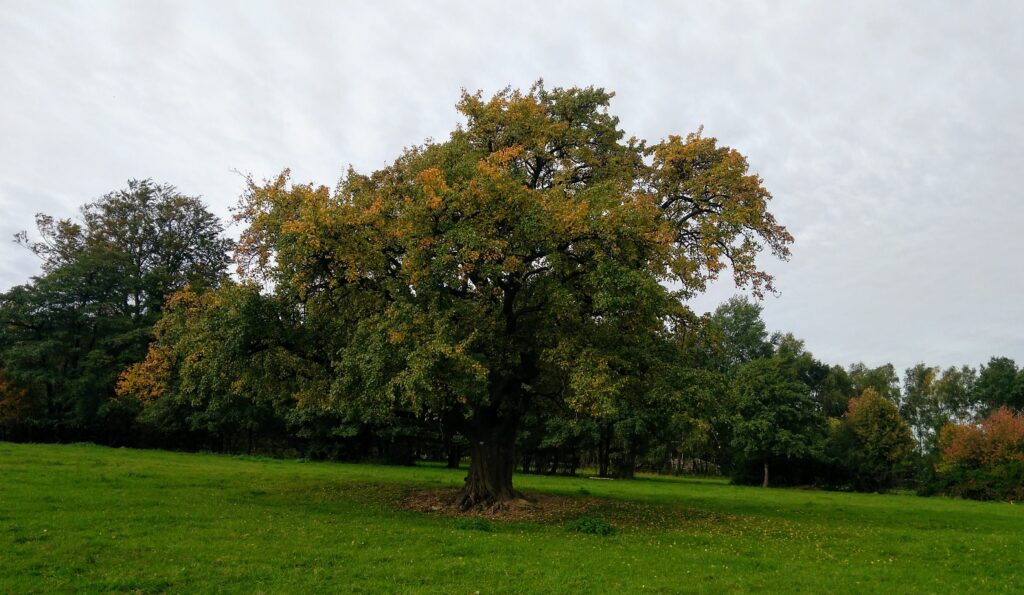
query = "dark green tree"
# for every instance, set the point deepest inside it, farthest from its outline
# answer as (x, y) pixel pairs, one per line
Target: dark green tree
(883, 380)
(167, 240)
(66, 335)
(228, 359)
(872, 442)
(835, 392)
(778, 419)
(997, 386)
(808, 370)
(740, 333)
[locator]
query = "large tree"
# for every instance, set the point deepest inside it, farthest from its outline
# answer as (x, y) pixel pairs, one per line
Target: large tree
(227, 363)
(66, 335)
(523, 259)
(166, 239)
(63, 339)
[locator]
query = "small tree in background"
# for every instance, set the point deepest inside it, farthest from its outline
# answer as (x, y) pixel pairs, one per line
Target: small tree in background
(738, 333)
(778, 419)
(955, 393)
(919, 405)
(883, 379)
(872, 442)
(999, 385)
(835, 392)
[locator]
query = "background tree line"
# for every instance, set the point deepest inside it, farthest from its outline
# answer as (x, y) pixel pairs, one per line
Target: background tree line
(144, 271)
(498, 296)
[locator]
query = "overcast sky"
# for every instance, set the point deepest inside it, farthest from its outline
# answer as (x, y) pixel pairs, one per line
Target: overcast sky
(891, 134)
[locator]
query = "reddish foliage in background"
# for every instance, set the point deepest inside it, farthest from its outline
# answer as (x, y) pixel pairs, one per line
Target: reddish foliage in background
(997, 439)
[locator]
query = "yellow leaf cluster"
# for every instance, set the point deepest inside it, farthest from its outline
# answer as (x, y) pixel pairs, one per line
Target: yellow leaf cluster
(148, 379)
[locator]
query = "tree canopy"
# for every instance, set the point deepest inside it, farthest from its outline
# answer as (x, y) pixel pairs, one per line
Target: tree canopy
(523, 259)
(66, 335)
(776, 419)
(872, 442)
(517, 292)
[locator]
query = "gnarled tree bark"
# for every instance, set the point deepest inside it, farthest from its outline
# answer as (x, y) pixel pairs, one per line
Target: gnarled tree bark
(489, 481)
(492, 439)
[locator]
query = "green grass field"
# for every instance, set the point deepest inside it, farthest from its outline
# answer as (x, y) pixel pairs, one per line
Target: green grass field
(93, 519)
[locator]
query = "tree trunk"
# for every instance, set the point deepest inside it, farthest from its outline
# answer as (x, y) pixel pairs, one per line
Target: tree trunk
(603, 454)
(492, 434)
(626, 467)
(764, 484)
(489, 482)
(454, 456)
(525, 464)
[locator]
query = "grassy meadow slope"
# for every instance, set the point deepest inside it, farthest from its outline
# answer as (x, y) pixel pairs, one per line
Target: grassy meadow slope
(94, 519)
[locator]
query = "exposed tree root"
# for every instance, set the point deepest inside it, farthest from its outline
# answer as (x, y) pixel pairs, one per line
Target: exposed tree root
(467, 500)
(534, 507)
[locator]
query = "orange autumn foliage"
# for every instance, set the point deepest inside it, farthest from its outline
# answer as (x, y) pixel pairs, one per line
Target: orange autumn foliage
(997, 439)
(148, 379)
(985, 460)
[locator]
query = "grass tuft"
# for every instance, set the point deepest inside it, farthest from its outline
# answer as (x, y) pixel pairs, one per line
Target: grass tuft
(592, 526)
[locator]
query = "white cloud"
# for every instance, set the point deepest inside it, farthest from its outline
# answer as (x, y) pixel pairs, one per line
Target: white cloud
(890, 134)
